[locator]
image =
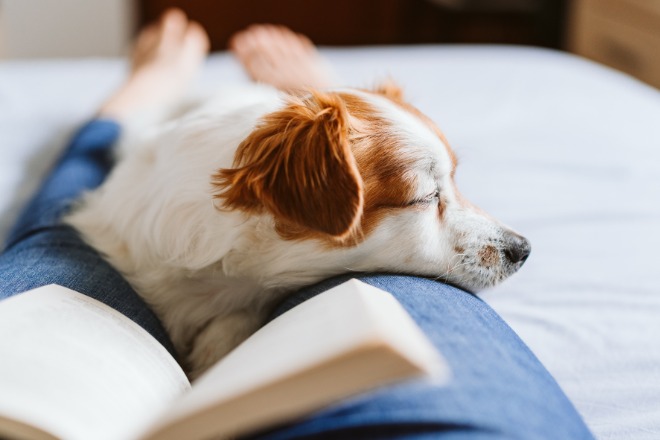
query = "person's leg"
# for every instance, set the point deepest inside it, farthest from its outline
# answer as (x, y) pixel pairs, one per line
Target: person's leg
(40, 250)
(498, 388)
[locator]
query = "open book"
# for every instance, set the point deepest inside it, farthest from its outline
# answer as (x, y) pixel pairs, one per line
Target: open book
(72, 368)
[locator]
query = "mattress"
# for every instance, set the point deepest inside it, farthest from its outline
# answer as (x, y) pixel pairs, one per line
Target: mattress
(565, 151)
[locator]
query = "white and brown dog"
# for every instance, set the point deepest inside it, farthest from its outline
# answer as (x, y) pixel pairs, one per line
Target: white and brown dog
(224, 210)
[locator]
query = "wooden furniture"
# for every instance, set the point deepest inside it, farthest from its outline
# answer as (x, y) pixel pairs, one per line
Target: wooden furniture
(362, 22)
(624, 34)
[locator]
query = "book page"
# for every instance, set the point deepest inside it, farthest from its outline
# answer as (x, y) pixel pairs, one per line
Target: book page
(77, 369)
(347, 340)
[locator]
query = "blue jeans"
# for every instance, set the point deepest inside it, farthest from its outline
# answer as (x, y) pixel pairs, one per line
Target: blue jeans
(499, 389)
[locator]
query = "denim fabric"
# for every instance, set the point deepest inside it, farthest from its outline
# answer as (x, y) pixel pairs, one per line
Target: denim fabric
(84, 165)
(40, 250)
(498, 389)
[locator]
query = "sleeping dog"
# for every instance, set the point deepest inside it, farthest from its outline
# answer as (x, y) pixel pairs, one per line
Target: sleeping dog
(219, 213)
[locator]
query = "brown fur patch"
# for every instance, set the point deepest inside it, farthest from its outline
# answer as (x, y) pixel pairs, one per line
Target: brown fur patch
(384, 170)
(393, 92)
(489, 256)
(383, 160)
(343, 168)
(298, 165)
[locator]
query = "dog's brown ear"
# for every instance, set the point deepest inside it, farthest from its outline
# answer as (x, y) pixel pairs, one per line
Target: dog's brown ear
(298, 165)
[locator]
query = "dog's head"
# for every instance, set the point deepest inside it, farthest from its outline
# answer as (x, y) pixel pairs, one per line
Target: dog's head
(364, 171)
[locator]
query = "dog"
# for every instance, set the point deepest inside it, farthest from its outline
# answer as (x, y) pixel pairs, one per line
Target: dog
(221, 212)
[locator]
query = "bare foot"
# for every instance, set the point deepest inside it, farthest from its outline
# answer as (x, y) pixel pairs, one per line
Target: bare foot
(280, 57)
(166, 57)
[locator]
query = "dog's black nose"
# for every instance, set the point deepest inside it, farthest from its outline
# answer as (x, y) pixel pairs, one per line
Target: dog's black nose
(517, 248)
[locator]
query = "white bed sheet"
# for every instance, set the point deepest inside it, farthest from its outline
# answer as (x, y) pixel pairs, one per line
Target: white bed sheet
(564, 150)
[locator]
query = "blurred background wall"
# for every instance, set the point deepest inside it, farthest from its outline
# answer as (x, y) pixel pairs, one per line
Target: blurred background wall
(65, 28)
(624, 34)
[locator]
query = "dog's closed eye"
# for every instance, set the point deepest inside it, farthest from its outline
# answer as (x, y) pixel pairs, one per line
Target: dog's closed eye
(428, 199)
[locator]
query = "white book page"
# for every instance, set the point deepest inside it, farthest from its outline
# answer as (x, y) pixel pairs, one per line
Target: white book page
(350, 315)
(334, 326)
(78, 369)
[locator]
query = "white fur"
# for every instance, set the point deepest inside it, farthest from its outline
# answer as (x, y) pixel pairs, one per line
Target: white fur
(212, 276)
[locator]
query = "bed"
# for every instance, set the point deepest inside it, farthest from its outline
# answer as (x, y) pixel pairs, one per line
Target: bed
(565, 151)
